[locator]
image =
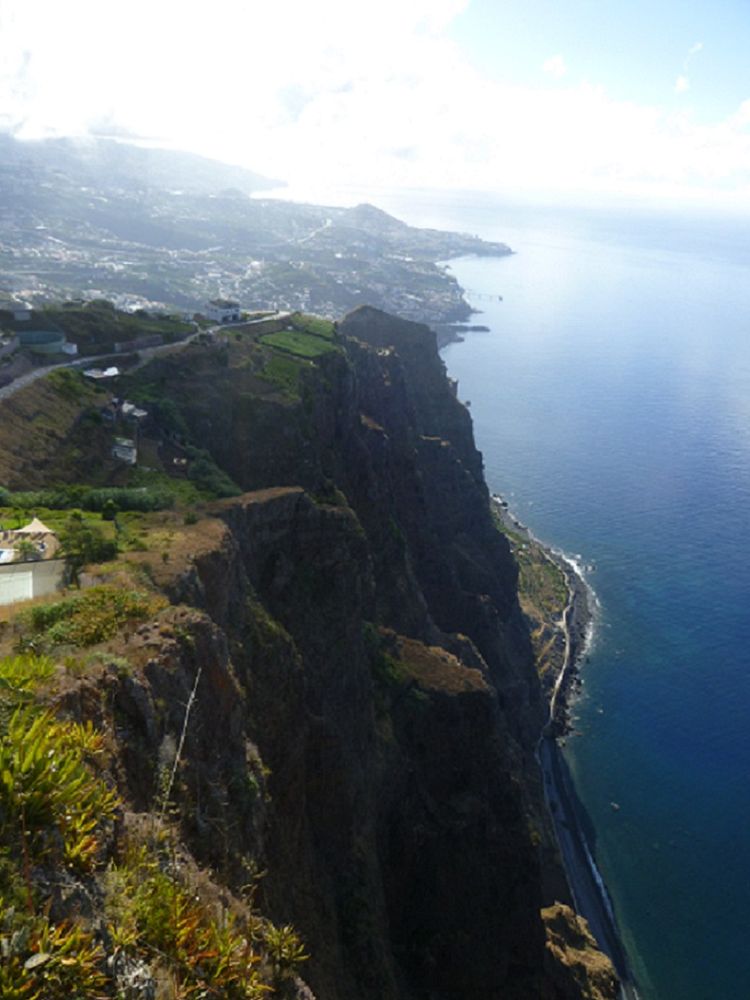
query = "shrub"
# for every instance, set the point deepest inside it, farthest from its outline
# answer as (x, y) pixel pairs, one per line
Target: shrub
(51, 805)
(43, 961)
(90, 617)
(109, 509)
(21, 674)
(83, 543)
(69, 384)
(152, 912)
(138, 498)
(284, 372)
(207, 475)
(285, 950)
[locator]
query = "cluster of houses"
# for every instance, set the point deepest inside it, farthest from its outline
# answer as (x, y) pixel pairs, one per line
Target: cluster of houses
(124, 449)
(30, 562)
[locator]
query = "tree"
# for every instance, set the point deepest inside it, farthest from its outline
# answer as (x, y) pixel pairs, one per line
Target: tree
(26, 550)
(110, 510)
(81, 543)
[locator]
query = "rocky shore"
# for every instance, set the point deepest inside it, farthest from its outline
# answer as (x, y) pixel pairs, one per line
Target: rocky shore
(575, 624)
(453, 333)
(568, 814)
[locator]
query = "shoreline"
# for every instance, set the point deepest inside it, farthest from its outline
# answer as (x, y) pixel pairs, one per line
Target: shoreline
(587, 888)
(576, 622)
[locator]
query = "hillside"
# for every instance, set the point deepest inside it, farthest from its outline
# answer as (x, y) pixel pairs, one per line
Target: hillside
(150, 227)
(316, 699)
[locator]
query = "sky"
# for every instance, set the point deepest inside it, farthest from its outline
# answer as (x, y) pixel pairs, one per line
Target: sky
(551, 99)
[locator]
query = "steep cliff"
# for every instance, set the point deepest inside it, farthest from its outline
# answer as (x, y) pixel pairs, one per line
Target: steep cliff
(338, 708)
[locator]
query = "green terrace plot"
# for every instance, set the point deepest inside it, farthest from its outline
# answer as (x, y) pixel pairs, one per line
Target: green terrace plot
(315, 325)
(285, 372)
(303, 345)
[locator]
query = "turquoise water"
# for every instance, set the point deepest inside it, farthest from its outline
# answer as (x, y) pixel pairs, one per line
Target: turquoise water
(611, 400)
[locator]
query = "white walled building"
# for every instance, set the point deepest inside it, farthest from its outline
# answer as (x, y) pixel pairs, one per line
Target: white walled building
(24, 575)
(21, 581)
(223, 311)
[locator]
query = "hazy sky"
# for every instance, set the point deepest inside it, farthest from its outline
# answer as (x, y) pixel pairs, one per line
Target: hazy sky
(549, 97)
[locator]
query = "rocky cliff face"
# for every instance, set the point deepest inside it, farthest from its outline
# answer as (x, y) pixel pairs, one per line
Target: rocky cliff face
(370, 616)
(361, 744)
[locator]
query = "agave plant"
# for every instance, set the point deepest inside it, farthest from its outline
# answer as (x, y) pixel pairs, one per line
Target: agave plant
(51, 805)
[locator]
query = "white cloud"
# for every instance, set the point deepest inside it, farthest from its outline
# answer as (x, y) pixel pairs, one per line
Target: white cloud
(337, 93)
(681, 84)
(555, 67)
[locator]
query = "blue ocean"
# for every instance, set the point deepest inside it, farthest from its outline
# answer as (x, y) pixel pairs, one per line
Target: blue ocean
(611, 400)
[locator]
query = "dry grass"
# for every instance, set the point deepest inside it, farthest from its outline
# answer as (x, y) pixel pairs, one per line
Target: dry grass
(436, 669)
(37, 426)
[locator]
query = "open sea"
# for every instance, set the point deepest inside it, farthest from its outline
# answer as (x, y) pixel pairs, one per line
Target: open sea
(611, 400)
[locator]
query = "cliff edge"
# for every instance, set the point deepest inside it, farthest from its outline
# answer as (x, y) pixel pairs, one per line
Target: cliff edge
(322, 718)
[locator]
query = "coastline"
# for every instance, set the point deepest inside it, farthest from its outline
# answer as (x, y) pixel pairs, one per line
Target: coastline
(569, 818)
(576, 622)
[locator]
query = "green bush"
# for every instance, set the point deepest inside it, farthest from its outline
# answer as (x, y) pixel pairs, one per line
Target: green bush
(110, 509)
(51, 805)
(90, 617)
(82, 543)
(153, 914)
(138, 498)
(69, 384)
(284, 372)
(44, 961)
(207, 475)
(20, 675)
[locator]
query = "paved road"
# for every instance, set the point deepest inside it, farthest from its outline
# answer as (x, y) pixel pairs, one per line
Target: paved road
(144, 355)
(589, 893)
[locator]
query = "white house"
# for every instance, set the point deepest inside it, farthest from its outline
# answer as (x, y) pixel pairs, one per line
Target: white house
(29, 570)
(126, 450)
(223, 311)
(130, 411)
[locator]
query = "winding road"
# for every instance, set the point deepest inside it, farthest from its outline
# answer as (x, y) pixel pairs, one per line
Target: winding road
(144, 355)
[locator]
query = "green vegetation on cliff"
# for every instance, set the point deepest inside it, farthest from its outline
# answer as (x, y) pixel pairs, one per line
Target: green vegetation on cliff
(99, 324)
(543, 596)
(304, 345)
